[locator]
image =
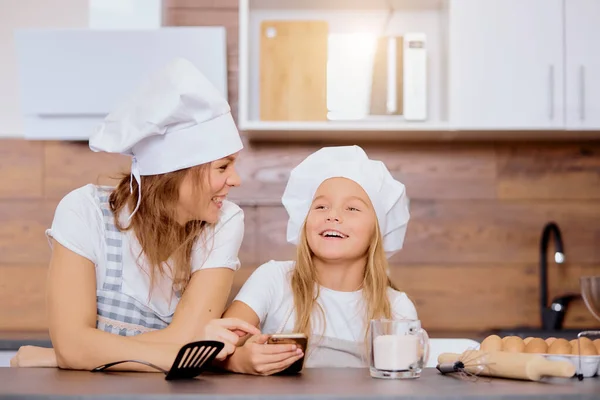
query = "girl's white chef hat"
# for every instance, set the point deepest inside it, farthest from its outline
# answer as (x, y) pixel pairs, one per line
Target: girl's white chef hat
(176, 119)
(387, 194)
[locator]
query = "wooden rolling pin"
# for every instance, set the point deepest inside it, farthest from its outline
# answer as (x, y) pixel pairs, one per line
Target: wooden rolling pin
(500, 364)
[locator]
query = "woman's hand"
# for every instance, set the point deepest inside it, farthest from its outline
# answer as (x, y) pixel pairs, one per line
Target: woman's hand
(229, 331)
(258, 358)
(33, 356)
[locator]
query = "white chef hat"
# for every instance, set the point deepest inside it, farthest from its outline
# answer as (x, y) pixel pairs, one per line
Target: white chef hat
(387, 194)
(176, 119)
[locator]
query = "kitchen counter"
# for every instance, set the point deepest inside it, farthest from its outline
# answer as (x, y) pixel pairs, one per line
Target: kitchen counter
(12, 340)
(50, 383)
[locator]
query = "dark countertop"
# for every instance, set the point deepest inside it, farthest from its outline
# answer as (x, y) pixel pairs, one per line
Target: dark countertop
(50, 383)
(12, 340)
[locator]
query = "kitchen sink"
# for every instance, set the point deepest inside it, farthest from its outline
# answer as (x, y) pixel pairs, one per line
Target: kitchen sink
(524, 332)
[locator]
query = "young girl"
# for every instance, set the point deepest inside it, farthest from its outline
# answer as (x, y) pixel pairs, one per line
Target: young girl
(143, 268)
(347, 215)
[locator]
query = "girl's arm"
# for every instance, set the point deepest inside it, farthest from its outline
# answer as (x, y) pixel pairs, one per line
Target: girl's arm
(254, 356)
(242, 311)
(79, 345)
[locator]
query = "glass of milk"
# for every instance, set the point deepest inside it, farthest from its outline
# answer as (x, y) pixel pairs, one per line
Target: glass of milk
(399, 348)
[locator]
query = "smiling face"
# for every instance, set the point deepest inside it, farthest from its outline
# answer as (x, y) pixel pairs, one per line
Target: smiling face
(201, 195)
(341, 221)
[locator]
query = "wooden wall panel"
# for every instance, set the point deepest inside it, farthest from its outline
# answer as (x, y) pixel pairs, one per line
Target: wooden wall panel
(486, 296)
(428, 172)
(248, 252)
(23, 297)
(21, 169)
(550, 172)
(265, 170)
(272, 232)
(472, 298)
(451, 232)
(479, 297)
(239, 278)
(493, 231)
(22, 227)
(71, 165)
(436, 171)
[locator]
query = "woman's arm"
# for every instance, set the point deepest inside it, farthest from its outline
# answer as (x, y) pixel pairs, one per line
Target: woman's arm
(208, 290)
(203, 300)
(72, 320)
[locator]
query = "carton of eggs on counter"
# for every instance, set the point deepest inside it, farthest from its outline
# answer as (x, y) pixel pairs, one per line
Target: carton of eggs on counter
(551, 348)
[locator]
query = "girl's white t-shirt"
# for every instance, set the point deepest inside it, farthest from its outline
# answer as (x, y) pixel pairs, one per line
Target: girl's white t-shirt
(268, 293)
(79, 226)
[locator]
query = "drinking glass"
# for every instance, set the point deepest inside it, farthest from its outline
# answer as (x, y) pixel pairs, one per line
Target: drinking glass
(399, 348)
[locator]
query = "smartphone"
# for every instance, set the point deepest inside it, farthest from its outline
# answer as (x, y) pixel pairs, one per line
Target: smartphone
(298, 339)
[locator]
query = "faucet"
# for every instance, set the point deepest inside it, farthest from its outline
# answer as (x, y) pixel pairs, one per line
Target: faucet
(552, 317)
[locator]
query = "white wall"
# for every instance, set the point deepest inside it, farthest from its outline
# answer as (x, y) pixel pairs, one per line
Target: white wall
(15, 14)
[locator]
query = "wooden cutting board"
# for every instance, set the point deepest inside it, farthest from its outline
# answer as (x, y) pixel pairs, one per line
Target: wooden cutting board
(293, 70)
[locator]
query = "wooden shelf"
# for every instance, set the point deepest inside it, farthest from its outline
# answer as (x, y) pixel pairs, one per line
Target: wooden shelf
(368, 19)
(333, 126)
(344, 4)
(326, 132)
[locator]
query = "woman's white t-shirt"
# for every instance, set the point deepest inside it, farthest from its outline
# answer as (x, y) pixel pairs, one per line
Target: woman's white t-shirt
(79, 226)
(268, 293)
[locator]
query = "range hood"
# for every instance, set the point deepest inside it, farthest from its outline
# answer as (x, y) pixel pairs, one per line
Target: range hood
(70, 79)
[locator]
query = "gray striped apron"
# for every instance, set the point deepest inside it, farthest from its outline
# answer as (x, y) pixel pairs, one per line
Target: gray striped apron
(117, 312)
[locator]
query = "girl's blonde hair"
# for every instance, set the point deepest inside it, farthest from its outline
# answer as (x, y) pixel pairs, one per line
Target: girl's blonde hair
(375, 283)
(155, 225)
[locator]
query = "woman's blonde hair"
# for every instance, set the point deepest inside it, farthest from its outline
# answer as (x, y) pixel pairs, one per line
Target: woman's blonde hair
(375, 283)
(161, 237)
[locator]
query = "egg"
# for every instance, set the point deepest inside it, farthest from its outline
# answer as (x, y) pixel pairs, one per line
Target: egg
(560, 346)
(491, 343)
(550, 340)
(585, 347)
(513, 344)
(597, 345)
(527, 340)
(536, 345)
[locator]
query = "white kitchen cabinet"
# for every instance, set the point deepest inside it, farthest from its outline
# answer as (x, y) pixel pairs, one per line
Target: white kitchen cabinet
(506, 64)
(582, 40)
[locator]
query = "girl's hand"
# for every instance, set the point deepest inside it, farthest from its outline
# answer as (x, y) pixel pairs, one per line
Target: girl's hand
(33, 356)
(228, 331)
(258, 358)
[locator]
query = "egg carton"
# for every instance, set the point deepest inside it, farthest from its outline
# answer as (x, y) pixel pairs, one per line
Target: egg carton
(590, 365)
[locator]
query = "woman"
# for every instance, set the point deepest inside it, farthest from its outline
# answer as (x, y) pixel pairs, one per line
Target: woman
(347, 215)
(141, 269)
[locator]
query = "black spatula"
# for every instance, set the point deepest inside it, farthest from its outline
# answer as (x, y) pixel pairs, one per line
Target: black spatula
(192, 359)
